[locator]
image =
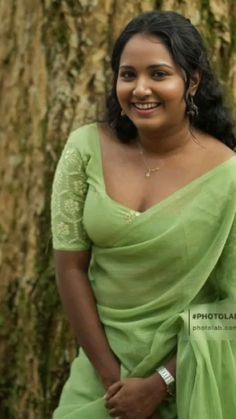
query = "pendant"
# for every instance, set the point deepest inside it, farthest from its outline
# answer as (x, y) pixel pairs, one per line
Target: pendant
(150, 171)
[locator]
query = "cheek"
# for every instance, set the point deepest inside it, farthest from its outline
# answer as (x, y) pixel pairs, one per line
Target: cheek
(174, 91)
(122, 91)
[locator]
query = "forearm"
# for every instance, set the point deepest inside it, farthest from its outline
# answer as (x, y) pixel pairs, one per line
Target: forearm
(171, 365)
(81, 309)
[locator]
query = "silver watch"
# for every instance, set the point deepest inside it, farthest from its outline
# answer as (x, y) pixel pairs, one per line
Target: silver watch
(169, 380)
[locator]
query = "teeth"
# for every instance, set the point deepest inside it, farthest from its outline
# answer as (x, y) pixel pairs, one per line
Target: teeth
(145, 105)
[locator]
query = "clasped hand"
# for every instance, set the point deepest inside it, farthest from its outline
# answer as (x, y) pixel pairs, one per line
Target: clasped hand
(134, 398)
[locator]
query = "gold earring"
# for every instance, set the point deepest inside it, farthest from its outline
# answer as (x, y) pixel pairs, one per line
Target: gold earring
(122, 113)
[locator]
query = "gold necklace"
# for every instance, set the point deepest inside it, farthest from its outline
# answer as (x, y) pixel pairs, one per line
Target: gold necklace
(149, 170)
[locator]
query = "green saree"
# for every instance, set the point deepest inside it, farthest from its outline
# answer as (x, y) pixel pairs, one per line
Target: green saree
(148, 271)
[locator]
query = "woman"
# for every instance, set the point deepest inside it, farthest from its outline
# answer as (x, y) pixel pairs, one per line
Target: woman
(144, 232)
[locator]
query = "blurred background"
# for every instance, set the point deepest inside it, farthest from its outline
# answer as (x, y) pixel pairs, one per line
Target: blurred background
(55, 72)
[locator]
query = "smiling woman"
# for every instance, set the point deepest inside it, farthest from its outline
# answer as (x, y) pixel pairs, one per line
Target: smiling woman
(151, 91)
(144, 228)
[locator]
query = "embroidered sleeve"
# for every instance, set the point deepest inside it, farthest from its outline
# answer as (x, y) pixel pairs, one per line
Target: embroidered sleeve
(67, 203)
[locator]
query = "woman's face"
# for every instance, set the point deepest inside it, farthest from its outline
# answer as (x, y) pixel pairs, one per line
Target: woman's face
(150, 86)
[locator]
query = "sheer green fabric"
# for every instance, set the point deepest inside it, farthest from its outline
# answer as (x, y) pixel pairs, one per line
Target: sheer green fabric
(147, 270)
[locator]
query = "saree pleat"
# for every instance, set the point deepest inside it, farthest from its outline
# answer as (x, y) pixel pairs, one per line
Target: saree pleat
(148, 272)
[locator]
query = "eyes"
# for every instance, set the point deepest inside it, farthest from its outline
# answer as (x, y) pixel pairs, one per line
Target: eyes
(129, 75)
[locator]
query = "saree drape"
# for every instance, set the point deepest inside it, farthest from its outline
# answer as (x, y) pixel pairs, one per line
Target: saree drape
(149, 273)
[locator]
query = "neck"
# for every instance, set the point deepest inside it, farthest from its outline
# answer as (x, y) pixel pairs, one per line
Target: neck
(169, 142)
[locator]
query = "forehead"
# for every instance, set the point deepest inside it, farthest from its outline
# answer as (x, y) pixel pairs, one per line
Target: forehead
(147, 48)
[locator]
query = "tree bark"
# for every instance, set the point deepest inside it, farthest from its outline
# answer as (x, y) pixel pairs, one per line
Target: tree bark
(55, 69)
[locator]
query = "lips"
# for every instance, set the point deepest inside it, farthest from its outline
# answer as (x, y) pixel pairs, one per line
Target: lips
(145, 106)
(145, 109)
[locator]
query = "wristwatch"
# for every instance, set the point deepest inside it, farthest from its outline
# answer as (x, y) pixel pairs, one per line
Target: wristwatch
(169, 380)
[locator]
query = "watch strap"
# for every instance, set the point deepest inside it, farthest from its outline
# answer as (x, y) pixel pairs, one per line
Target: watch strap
(167, 378)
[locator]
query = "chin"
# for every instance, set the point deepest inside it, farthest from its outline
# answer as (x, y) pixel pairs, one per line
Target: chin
(149, 125)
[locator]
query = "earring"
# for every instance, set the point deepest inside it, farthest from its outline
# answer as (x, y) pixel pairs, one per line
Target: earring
(122, 113)
(192, 108)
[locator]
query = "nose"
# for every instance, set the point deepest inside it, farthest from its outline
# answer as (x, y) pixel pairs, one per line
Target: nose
(141, 88)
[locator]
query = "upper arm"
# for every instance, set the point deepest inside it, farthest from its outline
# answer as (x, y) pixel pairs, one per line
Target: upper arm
(67, 202)
(67, 262)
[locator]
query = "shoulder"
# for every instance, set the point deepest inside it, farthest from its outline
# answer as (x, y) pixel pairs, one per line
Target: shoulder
(211, 153)
(225, 157)
(83, 137)
(82, 143)
(79, 147)
(111, 145)
(222, 150)
(214, 150)
(107, 134)
(89, 138)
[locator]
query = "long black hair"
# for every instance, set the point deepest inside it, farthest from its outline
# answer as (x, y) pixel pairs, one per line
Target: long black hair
(186, 46)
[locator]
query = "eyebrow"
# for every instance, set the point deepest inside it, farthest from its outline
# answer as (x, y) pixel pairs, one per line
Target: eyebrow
(153, 66)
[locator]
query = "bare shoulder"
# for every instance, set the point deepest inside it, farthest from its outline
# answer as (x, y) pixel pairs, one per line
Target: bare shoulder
(112, 144)
(107, 134)
(215, 149)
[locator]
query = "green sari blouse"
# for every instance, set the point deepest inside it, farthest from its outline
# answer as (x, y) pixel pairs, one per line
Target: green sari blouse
(150, 272)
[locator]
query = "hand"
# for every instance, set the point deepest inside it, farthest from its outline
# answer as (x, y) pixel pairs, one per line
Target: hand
(135, 398)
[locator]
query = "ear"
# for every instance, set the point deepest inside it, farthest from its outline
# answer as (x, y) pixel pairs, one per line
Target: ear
(194, 83)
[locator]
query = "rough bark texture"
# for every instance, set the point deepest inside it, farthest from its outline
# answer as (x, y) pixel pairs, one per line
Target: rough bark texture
(55, 69)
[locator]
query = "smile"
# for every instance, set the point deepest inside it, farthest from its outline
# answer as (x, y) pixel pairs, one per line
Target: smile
(145, 110)
(144, 106)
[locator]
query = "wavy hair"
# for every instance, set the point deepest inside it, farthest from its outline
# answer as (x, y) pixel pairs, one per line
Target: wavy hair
(186, 46)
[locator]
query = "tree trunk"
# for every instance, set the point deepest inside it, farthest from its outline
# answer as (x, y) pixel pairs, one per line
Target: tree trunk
(55, 67)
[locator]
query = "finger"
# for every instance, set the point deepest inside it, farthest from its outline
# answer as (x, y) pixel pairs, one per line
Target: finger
(114, 413)
(112, 390)
(111, 403)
